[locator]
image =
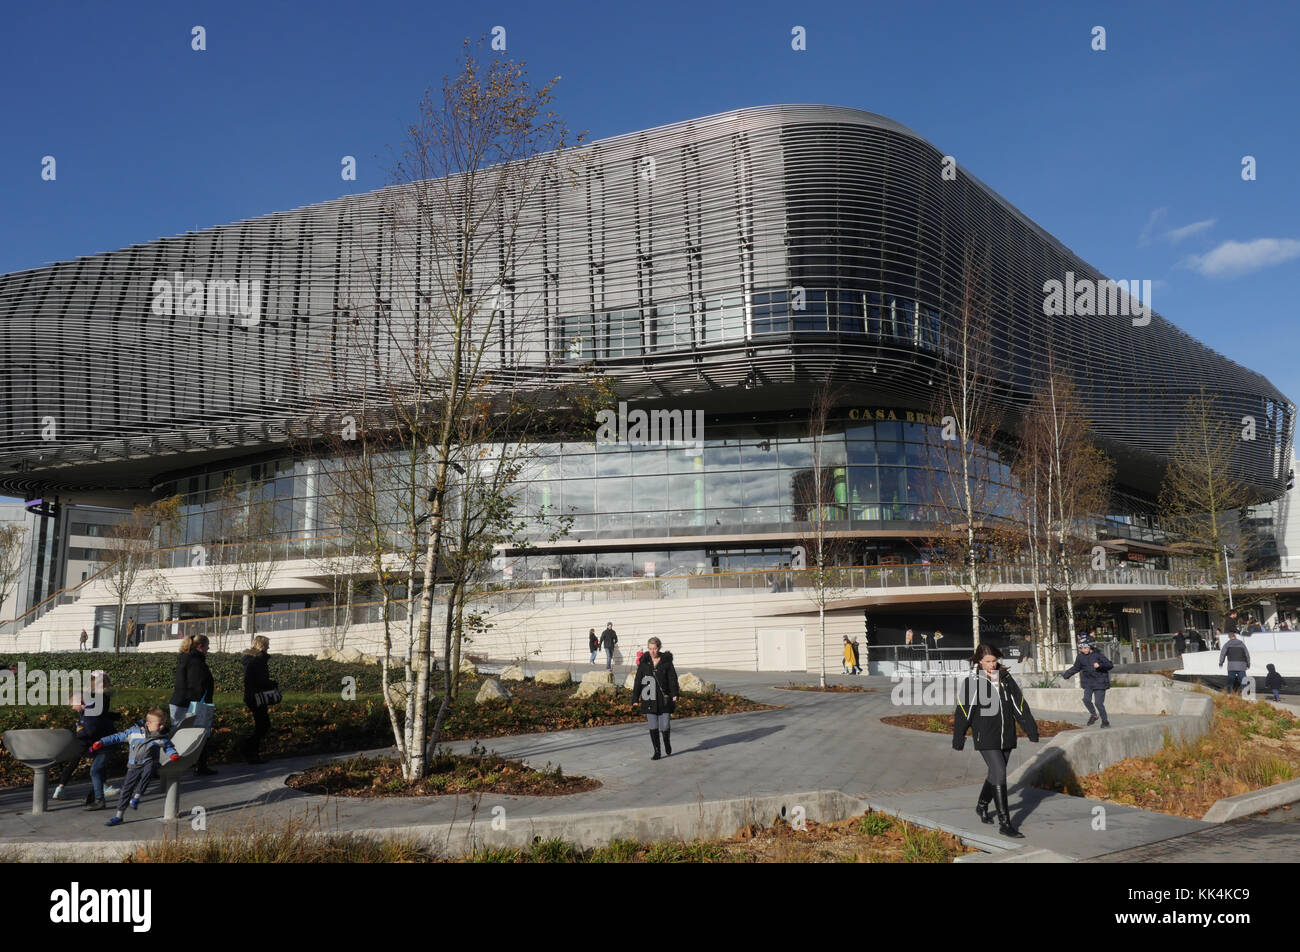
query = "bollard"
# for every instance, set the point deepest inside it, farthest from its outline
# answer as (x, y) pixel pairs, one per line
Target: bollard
(171, 796)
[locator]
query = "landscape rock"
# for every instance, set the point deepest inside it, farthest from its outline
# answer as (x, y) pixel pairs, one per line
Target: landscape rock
(513, 673)
(350, 655)
(467, 666)
(690, 684)
(598, 677)
(553, 676)
(588, 688)
(492, 690)
(630, 681)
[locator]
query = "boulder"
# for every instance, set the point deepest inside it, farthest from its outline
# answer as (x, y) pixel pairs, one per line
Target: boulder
(467, 666)
(513, 673)
(690, 684)
(553, 676)
(598, 677)
(588, 688)
(397, 693)
(350, 655)
(492, 690)
(630, 681)
(369, 659)
(329, 654)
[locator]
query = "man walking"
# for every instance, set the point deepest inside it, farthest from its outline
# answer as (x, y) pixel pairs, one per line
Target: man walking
(608, 639)
(1238, 657)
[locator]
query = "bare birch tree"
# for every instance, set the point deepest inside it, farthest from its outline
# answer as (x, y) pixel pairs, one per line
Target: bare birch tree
(135, 569)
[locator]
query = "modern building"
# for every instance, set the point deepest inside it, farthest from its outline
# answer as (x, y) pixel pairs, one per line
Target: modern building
(725, 265)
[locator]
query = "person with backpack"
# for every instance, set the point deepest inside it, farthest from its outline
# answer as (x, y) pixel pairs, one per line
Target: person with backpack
(990, 707)
(1093, 669)
(260, 692)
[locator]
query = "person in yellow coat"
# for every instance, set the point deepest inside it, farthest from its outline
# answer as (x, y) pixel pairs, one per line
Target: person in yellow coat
(850, 658)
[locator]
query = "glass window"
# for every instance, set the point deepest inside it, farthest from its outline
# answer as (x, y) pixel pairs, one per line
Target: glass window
(613, 460)
(721, 456)
(685, 460)
(762, 488)
(649, 493)
(861, 451)
(761, 454)
(890, 454)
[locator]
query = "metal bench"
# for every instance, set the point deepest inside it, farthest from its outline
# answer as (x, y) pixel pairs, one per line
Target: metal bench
(41, 749)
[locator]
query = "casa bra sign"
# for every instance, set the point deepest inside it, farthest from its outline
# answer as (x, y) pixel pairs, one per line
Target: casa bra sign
(898, 416)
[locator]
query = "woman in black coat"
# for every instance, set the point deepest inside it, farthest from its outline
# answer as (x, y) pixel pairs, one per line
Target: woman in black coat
(656, 686)
(193, 683)
(257, 679)
(990, 706)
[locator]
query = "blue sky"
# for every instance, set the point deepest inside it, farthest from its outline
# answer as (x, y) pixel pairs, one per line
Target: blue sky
(1131, 156)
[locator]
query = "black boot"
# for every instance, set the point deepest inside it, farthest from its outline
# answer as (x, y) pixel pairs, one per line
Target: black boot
(1004, 813)
(982, 805)
(668, 747)
(654, 739)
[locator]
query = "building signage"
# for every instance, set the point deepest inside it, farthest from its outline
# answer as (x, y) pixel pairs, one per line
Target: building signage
(1131, 611)
(905, 416)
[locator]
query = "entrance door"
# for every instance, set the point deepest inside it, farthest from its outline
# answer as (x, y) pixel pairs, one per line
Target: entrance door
(781, 649)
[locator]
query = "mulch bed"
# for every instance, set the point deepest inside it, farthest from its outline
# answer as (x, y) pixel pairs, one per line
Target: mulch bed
(476, 772)
(942, 724)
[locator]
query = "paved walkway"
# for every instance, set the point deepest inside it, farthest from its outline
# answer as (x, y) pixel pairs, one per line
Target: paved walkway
(816, 742)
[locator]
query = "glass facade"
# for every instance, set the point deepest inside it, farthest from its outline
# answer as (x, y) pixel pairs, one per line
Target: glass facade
(743, 478)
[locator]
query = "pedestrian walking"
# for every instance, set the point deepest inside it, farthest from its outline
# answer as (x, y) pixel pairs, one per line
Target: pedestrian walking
(193, 693)
(849, 662)
(593, 644)
(84, 639)
(991, 705)
(144, 743)
(857, 658)
(1274, 682)
(1027, 652)
(1235, 652)
(656, 682)
(1093, 669)
(1180, 643)
(260, 692)
(608, 639)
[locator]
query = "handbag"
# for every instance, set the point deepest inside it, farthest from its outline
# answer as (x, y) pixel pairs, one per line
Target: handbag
(204, 713)
(267, 698)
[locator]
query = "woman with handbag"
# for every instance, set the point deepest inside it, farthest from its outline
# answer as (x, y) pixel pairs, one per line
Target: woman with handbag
(193, 693)
(260, 692)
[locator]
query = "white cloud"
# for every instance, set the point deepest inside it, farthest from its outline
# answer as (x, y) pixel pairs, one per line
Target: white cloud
(1175, 235)
(1235, 258)
(1155, 229)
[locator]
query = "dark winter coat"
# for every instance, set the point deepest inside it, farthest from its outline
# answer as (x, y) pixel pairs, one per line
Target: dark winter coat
(993, 727)
(193, 679)
(1236, 653)
(1273, 681)
(592, 641)
(93, 727)
(257, 676)
(1089, 677)
(656, 685)
(608, 639)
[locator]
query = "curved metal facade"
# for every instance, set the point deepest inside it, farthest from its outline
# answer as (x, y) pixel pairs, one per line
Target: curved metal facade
(671, 264)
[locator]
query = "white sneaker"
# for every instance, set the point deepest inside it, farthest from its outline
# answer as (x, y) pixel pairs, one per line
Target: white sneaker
(111, 791)
(58, 793)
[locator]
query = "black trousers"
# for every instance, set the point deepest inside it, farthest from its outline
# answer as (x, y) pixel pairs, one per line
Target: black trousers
(261, 727)
(997, 764)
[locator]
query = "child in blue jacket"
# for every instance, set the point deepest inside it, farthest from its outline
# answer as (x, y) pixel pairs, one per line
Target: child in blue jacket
(144, 742)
